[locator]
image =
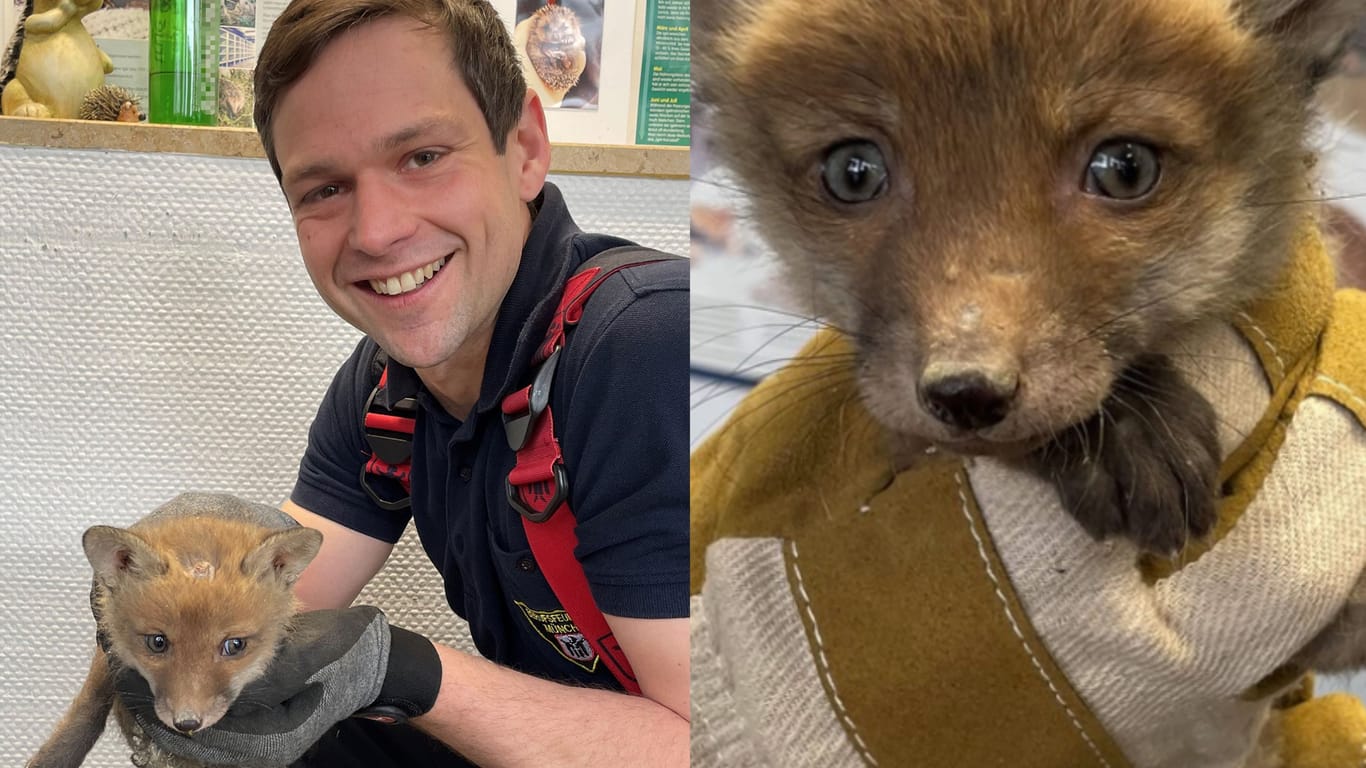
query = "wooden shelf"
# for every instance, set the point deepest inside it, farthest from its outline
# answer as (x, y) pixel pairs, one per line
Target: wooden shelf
(656, 162)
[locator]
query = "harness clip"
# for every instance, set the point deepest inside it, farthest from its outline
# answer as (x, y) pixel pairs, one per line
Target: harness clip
(518, 425)
(556, 494)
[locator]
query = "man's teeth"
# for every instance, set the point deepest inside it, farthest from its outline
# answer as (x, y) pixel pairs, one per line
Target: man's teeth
(407, 281)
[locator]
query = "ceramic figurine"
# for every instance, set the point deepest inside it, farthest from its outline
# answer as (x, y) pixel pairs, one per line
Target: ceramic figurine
(54, 62)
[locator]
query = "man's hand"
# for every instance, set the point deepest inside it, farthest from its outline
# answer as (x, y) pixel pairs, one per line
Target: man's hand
(331, 665)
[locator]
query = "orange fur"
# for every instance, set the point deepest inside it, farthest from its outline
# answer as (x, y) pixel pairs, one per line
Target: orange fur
(196, 582)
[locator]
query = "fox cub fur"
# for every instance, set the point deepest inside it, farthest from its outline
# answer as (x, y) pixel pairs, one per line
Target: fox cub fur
(195, 598)
(1017, 210)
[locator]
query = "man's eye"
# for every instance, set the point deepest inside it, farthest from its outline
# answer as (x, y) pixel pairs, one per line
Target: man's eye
(322, 193)
(425, 157)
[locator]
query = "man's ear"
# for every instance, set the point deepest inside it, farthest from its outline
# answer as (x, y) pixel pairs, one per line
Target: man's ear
(531, 142)
(117, 554)
(1313, 33)
(283, 555)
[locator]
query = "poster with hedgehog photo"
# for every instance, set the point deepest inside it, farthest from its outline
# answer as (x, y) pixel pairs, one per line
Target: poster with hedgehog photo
(582, 58)
(560, 44)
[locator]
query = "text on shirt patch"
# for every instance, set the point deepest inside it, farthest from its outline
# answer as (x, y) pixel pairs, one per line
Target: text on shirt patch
(557, 629)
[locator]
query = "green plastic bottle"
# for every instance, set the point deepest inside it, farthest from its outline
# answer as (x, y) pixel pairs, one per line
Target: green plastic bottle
(182, 63)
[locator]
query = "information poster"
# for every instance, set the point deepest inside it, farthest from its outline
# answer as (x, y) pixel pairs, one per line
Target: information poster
(236, 66)
(665, 100)
(267, 11)
(129, 56)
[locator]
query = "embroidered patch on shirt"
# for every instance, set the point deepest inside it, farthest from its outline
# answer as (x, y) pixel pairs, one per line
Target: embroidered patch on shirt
(557, 629)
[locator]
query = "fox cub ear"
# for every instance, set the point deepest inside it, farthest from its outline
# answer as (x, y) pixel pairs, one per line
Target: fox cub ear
(116, 554)
(283, 555)
(1315, 33)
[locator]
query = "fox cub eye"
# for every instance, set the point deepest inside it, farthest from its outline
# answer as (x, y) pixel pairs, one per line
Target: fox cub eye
(854, 171)
(156, 643)
(1122, 170)
(233, 646)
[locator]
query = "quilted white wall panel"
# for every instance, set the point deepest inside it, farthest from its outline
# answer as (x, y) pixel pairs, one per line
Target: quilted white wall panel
(158, 333)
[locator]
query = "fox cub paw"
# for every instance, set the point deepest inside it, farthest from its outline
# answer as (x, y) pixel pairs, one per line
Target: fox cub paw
(1146, 466)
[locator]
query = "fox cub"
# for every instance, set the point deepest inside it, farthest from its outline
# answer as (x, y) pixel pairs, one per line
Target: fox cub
(195, 598)
(1017, 210)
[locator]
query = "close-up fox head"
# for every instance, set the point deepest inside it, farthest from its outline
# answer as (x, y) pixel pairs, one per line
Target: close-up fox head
(196, 605)
(1005, 203)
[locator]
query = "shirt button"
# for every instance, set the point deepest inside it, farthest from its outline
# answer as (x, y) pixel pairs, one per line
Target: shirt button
(526, 565)
(465, 474)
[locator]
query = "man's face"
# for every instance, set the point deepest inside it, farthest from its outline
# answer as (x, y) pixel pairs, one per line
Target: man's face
(411, 225)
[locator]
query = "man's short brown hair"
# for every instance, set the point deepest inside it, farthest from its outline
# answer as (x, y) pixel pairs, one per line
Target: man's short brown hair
(483, 52)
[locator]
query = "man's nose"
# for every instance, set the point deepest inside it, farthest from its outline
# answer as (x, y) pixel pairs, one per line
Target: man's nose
(380, 217)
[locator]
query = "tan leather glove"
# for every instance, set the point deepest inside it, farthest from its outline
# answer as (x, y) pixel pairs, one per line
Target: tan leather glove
(954, 614)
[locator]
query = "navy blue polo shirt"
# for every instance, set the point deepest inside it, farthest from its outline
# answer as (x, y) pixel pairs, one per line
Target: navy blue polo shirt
(619, 401)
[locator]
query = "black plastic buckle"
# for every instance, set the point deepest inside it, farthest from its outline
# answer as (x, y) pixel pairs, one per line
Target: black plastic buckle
(384, 504)
(518, 427)
(557, 497)
(390, 447)
(393, 448)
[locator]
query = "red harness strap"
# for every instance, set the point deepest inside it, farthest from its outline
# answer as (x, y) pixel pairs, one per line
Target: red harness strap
(538, 485)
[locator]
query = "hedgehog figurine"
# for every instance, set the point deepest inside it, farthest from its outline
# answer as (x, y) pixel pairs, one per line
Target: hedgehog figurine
(111, 103)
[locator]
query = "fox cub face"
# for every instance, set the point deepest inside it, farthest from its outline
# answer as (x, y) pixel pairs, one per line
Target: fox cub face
(196, 606)
(1028, 195)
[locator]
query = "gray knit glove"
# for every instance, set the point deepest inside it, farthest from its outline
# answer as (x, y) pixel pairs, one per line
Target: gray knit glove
(333, 664)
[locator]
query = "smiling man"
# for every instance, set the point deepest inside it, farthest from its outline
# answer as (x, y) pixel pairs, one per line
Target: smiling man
(413, 158)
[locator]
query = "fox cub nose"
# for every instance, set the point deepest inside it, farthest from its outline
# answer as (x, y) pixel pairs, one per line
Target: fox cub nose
(187, 723)
(967, 398)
